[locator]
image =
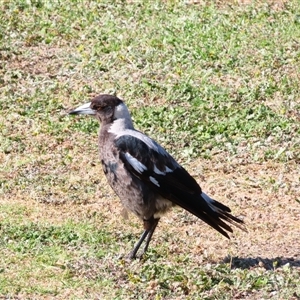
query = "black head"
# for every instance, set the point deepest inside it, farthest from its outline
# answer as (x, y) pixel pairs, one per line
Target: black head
(102, 107)
(105, 102)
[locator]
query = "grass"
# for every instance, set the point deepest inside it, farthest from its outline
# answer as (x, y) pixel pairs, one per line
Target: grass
(216, 83)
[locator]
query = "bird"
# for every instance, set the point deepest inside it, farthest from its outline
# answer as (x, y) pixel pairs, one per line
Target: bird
(145, 177)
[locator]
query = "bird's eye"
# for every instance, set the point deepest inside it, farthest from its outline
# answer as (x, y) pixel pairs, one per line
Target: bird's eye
(95, 107)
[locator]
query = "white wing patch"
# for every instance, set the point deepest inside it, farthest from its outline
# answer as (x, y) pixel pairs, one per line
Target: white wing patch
(168, 170)
(137, 165)
(153, 180)
(159, 172)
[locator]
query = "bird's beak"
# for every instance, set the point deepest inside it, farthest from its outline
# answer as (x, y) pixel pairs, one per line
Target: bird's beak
(83, 110)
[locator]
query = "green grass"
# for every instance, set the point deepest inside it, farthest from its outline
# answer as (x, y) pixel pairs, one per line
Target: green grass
(219, 67)
(216, 82)
(55, 258)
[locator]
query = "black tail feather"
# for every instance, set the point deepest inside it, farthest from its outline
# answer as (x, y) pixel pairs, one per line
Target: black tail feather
(215, 214)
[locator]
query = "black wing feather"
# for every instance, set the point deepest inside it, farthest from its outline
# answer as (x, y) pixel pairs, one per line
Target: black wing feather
(180, 178)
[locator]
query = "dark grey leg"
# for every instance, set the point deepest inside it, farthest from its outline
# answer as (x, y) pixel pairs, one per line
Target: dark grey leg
(149, 226)
(149, 236)
(132, 254)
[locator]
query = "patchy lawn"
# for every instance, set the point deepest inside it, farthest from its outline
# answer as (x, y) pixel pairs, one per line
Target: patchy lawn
(216, 83)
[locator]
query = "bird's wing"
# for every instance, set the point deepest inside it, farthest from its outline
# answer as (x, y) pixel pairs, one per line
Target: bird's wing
(152, 164)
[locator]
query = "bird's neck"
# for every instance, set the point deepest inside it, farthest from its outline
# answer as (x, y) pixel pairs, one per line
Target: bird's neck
(121, 120)
(120, 125)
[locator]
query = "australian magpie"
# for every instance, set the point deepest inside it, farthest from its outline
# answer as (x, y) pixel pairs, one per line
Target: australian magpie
(146, 178)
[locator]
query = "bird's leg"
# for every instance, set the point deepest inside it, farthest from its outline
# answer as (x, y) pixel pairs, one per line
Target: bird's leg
(132, 254)
(149, 226)
(149, 236)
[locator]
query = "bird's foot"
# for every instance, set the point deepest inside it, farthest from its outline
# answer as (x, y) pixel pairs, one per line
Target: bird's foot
(133, 255)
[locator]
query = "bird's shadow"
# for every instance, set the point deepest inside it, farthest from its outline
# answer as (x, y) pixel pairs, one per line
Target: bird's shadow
(267, 263)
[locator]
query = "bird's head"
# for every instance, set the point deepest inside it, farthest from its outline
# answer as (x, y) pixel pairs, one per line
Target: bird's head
(106, 108)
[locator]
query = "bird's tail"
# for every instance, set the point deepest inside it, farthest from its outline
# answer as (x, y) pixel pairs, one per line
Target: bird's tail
(218, 213)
